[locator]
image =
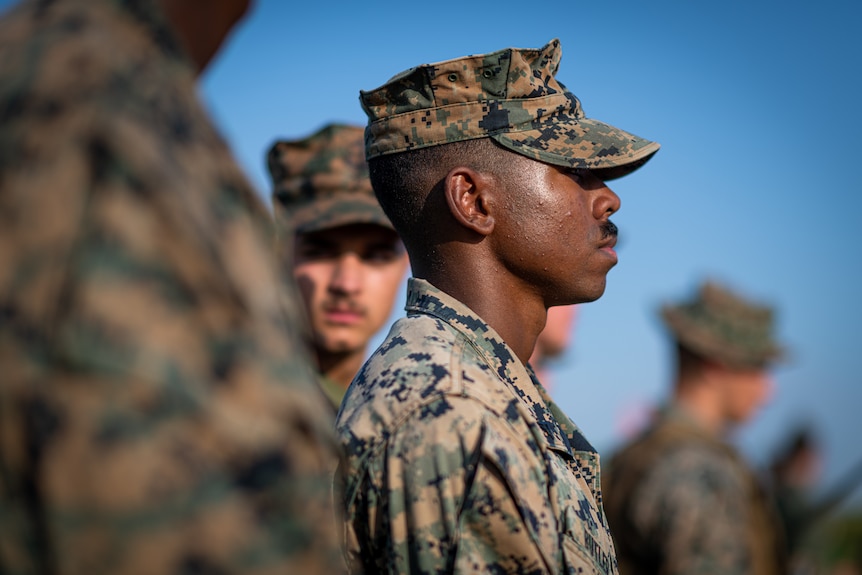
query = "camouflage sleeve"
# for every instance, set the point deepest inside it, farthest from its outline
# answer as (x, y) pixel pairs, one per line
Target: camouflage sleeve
(449, 506)
(156, 414)
(692, 506)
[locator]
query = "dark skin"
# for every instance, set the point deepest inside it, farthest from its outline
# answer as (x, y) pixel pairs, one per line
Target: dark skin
(515, 248)
(201, 26)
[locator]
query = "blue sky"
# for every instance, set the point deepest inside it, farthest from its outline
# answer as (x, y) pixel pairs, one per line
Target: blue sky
(757, 108)
(756, 105)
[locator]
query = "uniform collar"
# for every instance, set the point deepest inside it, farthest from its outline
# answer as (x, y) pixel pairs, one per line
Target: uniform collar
(529, 397)
(675, 413)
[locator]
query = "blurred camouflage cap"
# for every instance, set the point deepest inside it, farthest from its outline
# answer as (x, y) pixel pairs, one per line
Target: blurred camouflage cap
(321, 181)
(721, 326)
(511, 96)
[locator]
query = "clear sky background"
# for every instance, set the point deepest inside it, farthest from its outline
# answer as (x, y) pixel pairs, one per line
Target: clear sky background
(758, 108)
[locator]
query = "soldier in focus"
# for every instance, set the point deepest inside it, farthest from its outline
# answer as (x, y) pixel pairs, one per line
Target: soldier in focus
(680, 499)
(157, 414)
(457, 459)
(347, 259)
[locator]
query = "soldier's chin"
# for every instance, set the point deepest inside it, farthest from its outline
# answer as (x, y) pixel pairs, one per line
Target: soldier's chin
(583, 295)
(337, 345)
(592, 298)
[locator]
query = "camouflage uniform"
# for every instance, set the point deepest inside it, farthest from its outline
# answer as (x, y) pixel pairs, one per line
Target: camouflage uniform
(459, 462)
(155, 415)
(682, 501)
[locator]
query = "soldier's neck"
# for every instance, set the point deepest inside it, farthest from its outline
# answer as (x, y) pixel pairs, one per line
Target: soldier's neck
(340, 367)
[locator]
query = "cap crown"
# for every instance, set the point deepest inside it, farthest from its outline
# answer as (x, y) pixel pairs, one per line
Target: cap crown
(322, 180)
(511, 95)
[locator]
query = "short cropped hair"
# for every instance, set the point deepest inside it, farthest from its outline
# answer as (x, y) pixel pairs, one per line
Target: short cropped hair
(402, 182)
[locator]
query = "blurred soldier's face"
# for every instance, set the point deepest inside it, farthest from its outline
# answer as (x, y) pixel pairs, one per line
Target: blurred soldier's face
(348, 277)
(745, 392)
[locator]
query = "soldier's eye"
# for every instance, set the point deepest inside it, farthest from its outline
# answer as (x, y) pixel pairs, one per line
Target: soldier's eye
(382, 254)
(314, 252)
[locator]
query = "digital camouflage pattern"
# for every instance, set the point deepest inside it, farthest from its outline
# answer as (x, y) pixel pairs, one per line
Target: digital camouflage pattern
(512, 96)
(722, 326)
(682, 502)
(458, 461)
(157, 414)
(321, 181)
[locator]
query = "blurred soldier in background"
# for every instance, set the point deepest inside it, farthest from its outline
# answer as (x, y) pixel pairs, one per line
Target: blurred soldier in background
(679, 498)
(157, 414)
(794, 474)
(347, 258)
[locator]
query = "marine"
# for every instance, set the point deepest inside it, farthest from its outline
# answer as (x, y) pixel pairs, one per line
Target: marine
(340, 247)
(457, 460)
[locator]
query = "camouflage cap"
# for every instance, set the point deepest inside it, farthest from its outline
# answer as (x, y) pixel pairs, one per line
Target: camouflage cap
(719, 325)
(321, 181)
(511, 96)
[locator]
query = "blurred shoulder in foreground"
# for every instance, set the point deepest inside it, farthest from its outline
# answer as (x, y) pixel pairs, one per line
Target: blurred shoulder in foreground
(157, 409)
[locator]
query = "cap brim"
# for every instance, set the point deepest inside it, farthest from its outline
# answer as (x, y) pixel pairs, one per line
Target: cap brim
(581, 143)
(341, 210)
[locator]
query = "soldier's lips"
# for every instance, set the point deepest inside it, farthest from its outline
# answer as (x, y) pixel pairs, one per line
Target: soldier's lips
(608, 246)
(343, 316)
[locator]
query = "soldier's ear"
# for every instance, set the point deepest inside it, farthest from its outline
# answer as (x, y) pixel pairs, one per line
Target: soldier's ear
(469, 195)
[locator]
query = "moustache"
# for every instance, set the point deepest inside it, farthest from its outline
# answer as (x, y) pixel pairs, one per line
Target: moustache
(609, 229)
(344, 304)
